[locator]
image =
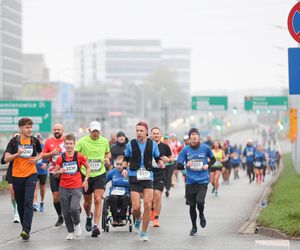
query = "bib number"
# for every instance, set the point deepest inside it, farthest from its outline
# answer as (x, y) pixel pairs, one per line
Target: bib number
(70, 167)
(197, 165)
(27, 153)
(257, 164)
(143, 174)
(95, 165)
(118, 191)
(250, 153)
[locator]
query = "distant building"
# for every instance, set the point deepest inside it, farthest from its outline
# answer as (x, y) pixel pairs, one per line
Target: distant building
(34, 68)
(10, 48)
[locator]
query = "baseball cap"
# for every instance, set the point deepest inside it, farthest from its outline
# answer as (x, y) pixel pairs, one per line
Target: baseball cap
(94, 125)
(185, 137)
(144, 124)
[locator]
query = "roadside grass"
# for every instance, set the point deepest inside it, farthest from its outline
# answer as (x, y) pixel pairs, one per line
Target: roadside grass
(3, 185)
(283, 210)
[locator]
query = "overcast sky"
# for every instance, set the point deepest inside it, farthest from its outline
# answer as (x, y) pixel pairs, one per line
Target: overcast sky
(235, 44)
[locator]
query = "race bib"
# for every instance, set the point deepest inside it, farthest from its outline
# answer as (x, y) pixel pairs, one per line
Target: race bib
(27, 153)
(154, 164)
(250, 153)
(118, 191)
(143, 174)
(197, 165)
(257, 164)
(95, 165)
(70, 167)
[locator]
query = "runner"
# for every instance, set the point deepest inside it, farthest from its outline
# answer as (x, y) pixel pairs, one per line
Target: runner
(159, 175)
(96, 149)
(196, 156)
(139, 153)
(236, 161)
(259, 159)
(68, 165)
(8, 178)
(216, 169)
(228, 151)
(25, 151)
(248, 154)
(53, 148)
(42, 174)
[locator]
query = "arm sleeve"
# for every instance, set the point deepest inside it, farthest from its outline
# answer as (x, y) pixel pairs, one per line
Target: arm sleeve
(127, 151)
(109, 175)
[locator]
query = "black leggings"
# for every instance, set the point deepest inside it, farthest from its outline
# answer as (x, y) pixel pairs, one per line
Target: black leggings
(193, 213)
(250, 171)
(118, 202)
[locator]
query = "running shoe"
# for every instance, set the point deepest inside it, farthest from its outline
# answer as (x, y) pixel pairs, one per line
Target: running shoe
(70, 236)
(144, 236)
(216, 194)
(193, 231)
(95, 231)
(137, 225)
(88, 223)
(202, 221)
(59, 222)
(77, 231)
(16, 218)
(213, 190)
(155, 223)
(42, 208)
(35, 207)
(167, 193)
(25, 235)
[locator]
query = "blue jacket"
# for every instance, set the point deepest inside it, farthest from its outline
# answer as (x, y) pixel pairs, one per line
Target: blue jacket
(118, 181)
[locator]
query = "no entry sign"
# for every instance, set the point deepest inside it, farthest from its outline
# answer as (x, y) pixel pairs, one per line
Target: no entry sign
(294, 22)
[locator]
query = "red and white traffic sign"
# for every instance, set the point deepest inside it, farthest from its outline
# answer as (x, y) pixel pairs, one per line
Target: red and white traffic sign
(294, 22)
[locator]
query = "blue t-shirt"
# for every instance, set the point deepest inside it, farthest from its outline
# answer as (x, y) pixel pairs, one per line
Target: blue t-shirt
(249, 152)
(118, 180)
(199, 155)
(236, 159)
(142, 146)
(39, 164)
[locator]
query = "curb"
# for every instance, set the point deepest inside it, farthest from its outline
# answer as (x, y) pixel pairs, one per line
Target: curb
(275, 233)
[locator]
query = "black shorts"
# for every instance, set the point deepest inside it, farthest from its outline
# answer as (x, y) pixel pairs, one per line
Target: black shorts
(97, 182)
(42, 178)
(195, 194)
(227, 166)
(159, 185)
(235, 165)
(139, 186)
(8, 176)
(214, 169)
(54, 183)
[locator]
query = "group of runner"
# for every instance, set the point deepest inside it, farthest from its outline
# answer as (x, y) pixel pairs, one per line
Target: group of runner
(141, 167)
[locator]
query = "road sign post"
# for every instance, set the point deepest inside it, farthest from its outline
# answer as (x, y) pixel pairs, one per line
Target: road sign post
(210, 103)
(12, 111)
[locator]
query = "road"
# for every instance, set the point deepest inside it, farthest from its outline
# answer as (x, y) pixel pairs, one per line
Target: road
(225, 215)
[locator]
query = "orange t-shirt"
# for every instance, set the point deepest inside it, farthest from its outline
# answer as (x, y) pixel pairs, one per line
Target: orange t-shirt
(22, 166)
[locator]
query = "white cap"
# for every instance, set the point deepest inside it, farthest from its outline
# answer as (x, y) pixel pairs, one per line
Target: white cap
(249, 140)
(94, 125)
(185, 137)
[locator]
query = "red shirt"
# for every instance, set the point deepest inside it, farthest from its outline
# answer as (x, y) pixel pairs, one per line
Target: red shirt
(49, 146)
(71, 180)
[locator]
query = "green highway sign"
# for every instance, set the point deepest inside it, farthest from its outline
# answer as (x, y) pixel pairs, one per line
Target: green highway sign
(261, 103)
(210, 103)
(12, 111)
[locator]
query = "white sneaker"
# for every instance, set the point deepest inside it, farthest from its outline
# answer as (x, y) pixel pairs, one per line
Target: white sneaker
(16, 218)
(70, 236)
(77, 230)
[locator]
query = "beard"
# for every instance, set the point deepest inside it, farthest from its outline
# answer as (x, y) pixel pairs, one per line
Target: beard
(57, 135)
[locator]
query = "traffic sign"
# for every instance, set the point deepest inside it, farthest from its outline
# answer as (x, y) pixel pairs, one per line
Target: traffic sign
(12, 111)
(209, 103)
(267, 103)
(294, 22)
(294, 71)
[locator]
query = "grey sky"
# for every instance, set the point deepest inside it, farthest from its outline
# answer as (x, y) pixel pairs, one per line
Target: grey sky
(234, 43)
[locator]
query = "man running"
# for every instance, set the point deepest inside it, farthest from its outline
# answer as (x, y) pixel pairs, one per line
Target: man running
(96, 149)
(139, 153)
(196, 157)
(53, 148)
(249, 153)
(25, 151)
(159, 175)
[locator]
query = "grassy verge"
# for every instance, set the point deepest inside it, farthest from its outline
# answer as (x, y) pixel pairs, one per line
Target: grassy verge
(283, 210)
(3, 185)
